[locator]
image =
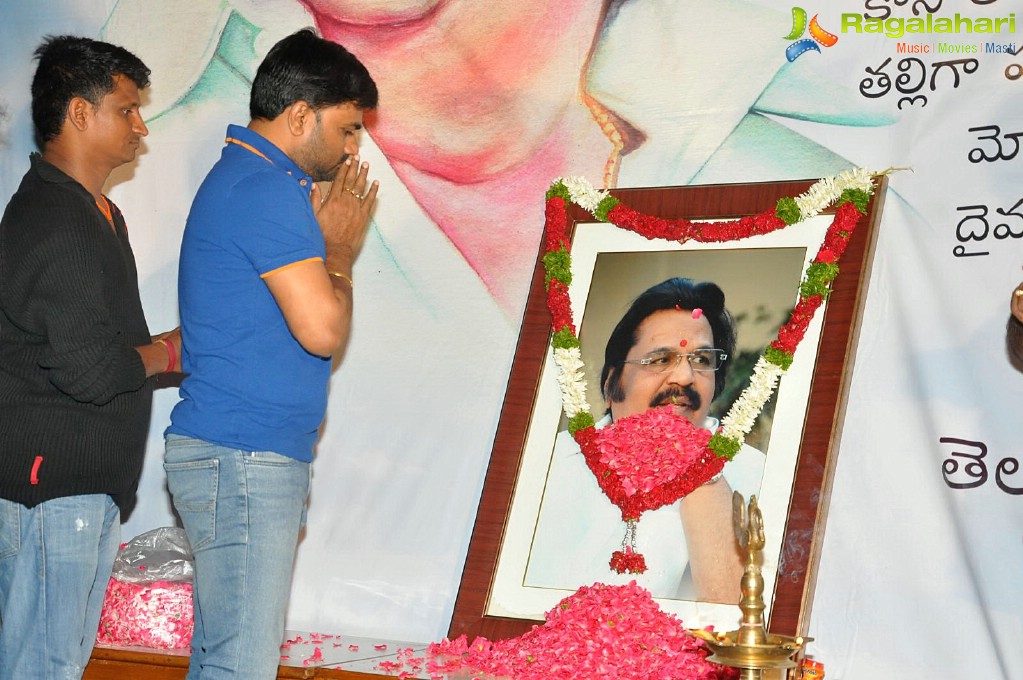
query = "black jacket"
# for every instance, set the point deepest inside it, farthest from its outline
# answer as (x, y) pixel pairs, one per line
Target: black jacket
(74, 398)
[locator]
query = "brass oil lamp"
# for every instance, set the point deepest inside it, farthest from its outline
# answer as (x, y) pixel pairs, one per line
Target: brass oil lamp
(750, 648)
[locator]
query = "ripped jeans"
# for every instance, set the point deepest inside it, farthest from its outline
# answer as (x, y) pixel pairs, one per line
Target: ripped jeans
(55, 562)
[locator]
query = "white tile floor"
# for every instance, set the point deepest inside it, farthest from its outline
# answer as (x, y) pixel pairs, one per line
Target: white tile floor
(364, 655)
(340, 652)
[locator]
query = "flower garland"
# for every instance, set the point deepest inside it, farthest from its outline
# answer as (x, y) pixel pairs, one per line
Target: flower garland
(655, 458)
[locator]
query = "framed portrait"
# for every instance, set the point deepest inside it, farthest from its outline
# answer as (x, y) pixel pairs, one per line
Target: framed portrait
(544, 530)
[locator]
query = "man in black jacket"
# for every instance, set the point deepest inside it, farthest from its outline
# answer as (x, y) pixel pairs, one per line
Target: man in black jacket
(76, 360)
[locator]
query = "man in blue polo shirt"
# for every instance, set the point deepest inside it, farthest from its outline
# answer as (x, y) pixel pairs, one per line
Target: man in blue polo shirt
(265, 291)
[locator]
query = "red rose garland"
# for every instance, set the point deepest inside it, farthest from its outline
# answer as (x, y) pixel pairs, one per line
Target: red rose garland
(559, 305)
(684, 230)
(648, 460)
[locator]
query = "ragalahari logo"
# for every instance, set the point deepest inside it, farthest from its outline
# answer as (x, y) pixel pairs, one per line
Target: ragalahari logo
(818, 36)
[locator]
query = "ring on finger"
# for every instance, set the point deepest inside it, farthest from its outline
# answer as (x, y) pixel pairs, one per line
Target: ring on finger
(353, 192)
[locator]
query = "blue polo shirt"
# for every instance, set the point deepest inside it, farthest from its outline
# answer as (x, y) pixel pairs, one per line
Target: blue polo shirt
(249, 384)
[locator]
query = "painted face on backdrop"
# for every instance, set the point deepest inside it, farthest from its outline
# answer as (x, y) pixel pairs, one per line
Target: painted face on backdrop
(115, 125)
(331, 142)
(377, 11)
(467, 88)
(690, 392)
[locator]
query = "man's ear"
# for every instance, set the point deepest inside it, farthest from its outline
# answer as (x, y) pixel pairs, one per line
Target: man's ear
(79, 110)
(300, 117)
(605, 389)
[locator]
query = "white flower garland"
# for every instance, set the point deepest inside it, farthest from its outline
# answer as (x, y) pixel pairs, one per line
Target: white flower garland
(828, 190)
(582, 192)
(745, 410)
(571, 380)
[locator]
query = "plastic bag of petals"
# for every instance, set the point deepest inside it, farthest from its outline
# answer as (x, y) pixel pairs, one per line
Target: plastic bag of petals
(162, 554)
(149, 598)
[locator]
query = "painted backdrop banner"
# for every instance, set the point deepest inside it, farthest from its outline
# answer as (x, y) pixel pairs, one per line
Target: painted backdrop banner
(482, 106)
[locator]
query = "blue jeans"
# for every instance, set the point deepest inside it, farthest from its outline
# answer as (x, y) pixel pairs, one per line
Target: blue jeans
(55, 562)
(242, 511)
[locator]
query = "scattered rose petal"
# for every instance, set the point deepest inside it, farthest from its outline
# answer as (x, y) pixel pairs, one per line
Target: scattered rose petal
(697, 313)
(390, 666)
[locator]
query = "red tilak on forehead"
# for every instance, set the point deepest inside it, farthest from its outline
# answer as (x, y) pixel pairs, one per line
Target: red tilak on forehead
(683, 343)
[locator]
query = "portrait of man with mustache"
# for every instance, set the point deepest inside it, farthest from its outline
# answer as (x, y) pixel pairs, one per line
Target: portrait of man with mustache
(672, 347)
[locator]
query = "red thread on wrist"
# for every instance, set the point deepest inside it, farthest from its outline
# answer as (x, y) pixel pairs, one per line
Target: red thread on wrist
(172, 356)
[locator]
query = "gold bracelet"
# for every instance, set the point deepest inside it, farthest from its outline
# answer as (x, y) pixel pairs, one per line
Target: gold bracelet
(344, 277)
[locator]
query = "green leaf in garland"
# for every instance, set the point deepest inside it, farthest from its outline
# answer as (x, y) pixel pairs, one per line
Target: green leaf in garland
(563, 338)
(858, 197)
(787, 210)
(812, 287)
(558, 189)
(778, 357)
(558, 264)
(724, 447)
(818, 276)
(604, 207)
(580, 421)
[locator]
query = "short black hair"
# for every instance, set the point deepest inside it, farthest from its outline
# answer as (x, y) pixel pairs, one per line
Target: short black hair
(306, 67)
(678, 292)
(72, 66)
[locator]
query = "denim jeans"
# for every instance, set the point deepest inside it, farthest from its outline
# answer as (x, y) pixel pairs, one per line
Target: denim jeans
(242, 511)
(55, 562)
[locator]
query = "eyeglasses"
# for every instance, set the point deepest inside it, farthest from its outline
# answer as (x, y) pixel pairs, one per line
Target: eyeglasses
(699, 360)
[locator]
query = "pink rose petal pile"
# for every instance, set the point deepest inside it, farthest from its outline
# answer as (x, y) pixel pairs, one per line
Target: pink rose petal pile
(158, 615)
(601, 631)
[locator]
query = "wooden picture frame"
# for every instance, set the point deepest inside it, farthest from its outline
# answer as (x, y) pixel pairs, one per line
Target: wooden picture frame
(799, 535)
